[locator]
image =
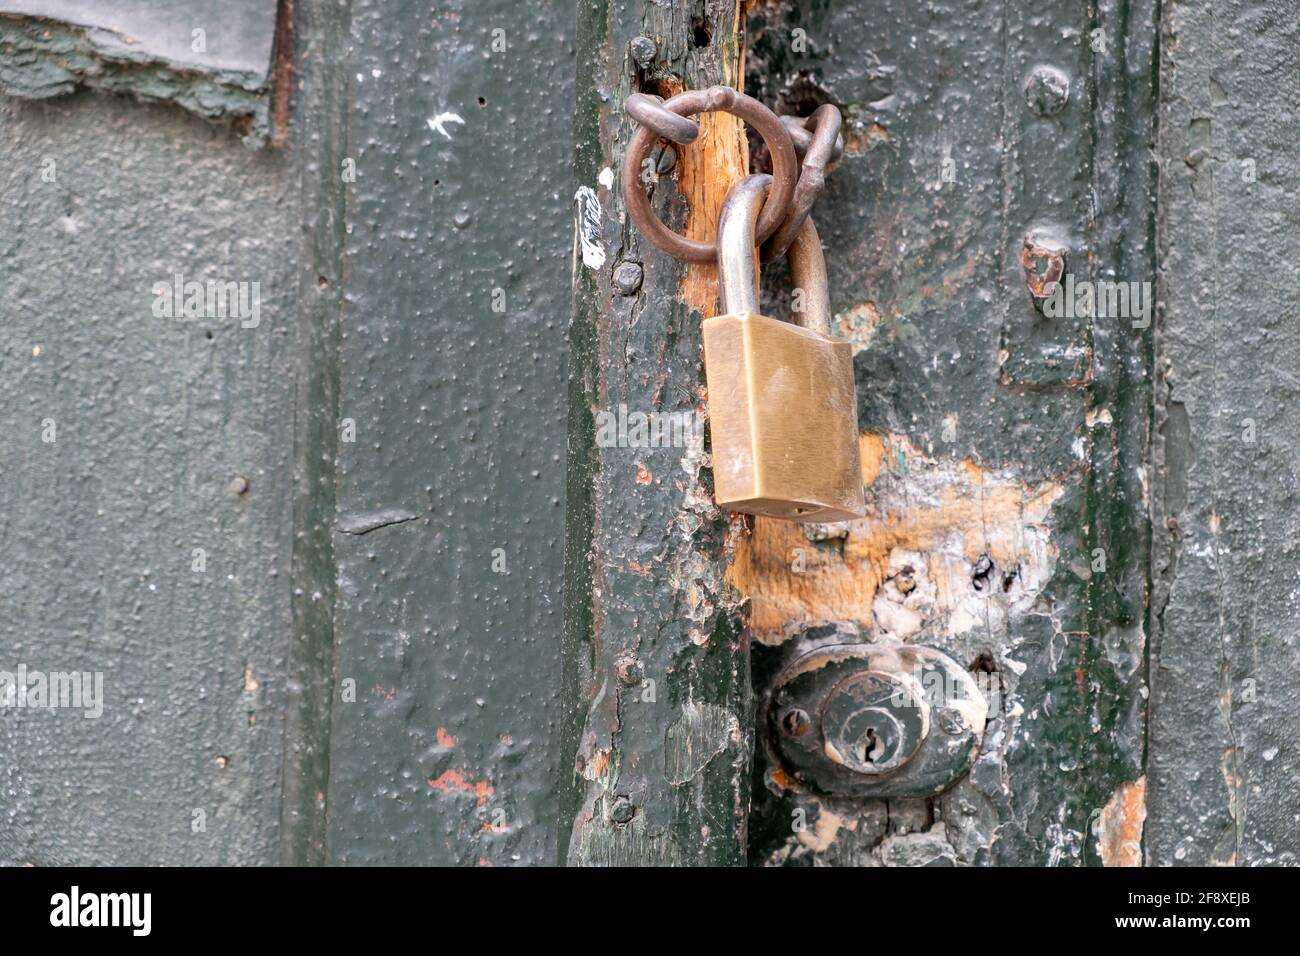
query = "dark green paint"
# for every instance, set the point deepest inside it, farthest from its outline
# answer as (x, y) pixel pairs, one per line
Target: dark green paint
(648, 550)
(1224, 704)
(959, 335)
(224, 688)
(459, 414)
(154, 418)
(49, 48)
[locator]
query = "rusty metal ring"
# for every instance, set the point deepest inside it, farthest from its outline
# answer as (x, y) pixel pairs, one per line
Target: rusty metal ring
(648, 110)
(824, 125)
(784, 169)
(802, 136)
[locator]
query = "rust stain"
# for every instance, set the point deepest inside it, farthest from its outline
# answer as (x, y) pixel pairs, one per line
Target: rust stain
(453, 781)
(858, 325)
(282, 75)
(445, 739)
(779, 778)
(928, 523)
(1119, 828)
(1042, 259)
(859, 141)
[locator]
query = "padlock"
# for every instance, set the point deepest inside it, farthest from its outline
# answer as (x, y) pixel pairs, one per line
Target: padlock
(782, 404)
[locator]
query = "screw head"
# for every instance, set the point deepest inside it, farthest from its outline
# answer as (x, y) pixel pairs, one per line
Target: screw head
(796, 722)
(627, 278)
(643, 50)
(665, 160)
(1047, 90)
(622, 811)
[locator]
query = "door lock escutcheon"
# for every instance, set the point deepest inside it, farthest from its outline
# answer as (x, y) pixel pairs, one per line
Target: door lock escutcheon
(878, 720)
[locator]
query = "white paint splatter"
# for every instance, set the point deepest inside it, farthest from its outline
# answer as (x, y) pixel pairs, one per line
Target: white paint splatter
(589, 227)
(439, 123)
(606, 178)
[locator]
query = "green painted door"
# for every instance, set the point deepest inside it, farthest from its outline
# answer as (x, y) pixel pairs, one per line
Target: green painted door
(354, 572)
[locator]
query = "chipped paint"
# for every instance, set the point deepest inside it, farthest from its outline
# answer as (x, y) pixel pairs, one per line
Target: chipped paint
(824, 830)
(46, 57)
(908, 568)
(861, 140)
(857, 325)
(439, 123)
(590, 227)
(701, 733)
(1119, 826)
(453, 781)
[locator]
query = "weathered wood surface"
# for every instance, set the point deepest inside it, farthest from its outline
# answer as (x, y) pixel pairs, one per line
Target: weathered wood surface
(128, 549)
(1002, 450)
(1225, 711)
(335, 686)
(449, 623)
(658, 669)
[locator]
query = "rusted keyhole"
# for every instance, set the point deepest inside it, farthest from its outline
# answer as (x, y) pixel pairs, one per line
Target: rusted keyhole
(871, 746)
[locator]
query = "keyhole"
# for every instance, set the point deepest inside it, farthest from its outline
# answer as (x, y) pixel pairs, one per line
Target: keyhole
(871, 746)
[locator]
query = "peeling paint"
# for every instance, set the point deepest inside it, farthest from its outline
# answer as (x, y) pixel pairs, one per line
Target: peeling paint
(938, 518)
(700, 734)
(368, 521)
(590, 227)
(1119, 826)
(45, 58)
(858, 325)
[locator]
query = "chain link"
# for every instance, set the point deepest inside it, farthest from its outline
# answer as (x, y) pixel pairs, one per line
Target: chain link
(801, 151)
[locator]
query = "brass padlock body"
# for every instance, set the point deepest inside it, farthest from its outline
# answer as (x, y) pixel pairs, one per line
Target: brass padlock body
(783, 416)
(782, 420)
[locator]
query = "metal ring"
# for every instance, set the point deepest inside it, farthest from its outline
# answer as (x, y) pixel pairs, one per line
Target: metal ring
(825, 126)
(784, 169)
(802, 136)
(648, 111)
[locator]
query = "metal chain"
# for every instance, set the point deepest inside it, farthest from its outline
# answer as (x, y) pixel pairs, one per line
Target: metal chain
(801, 151)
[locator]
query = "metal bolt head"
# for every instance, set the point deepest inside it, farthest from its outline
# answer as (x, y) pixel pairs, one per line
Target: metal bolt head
(1047, 90)
(665, 160)
(629, 670)
(627, 278)
(796, 722)
(644, 50)
(238, 485)
(622, 811)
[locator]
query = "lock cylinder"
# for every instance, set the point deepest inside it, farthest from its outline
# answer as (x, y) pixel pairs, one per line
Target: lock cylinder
(782, 401)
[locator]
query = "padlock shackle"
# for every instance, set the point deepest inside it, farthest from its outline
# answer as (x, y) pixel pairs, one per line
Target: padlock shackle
(808, 272)
(738, 264)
